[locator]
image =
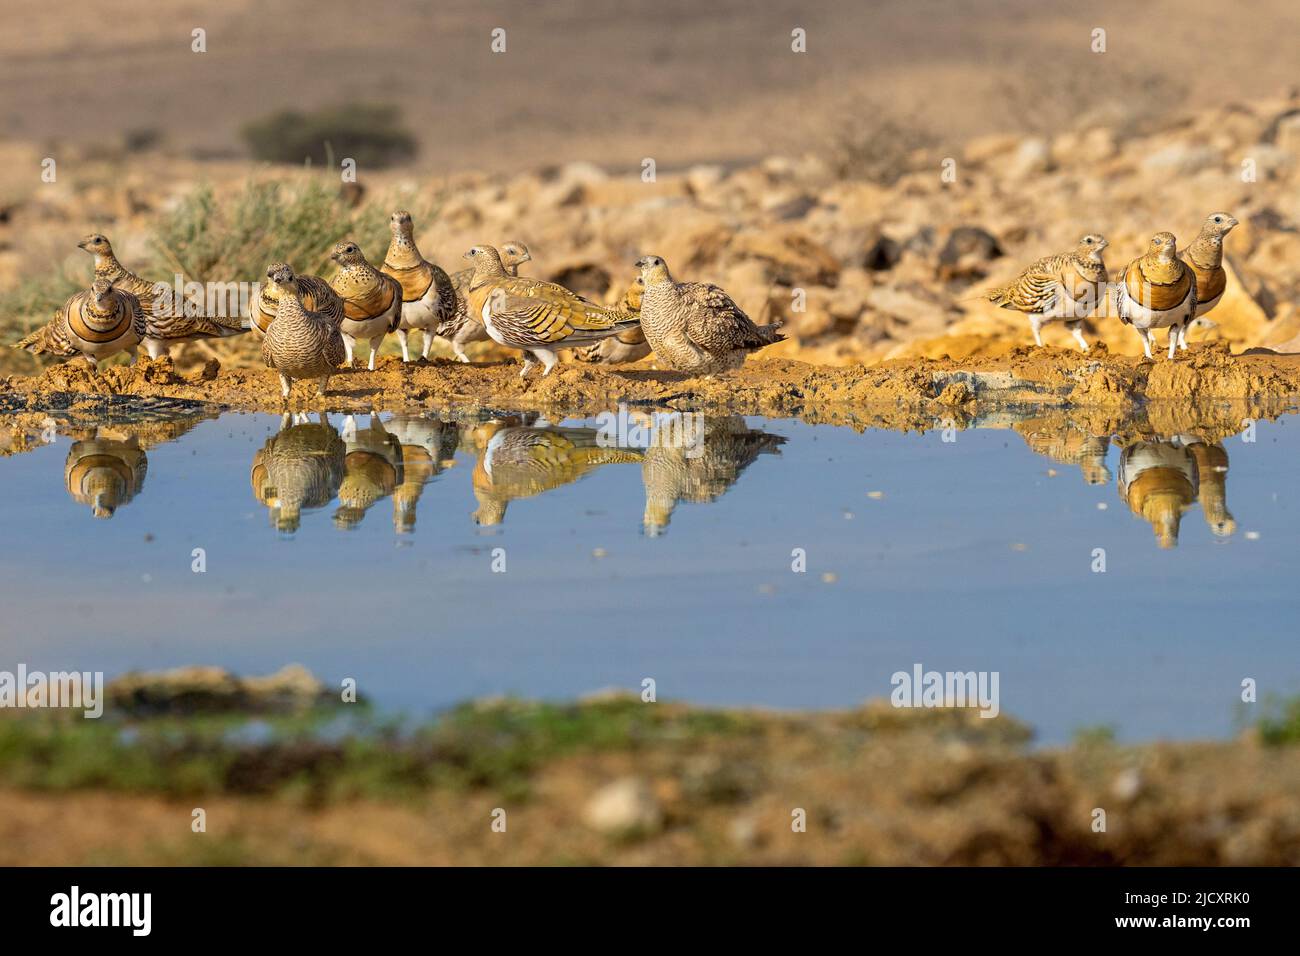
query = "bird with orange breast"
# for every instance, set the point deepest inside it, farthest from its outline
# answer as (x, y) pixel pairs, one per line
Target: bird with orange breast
(105, 473)
(1205, 257)
(1157, 291)
(1158, 480)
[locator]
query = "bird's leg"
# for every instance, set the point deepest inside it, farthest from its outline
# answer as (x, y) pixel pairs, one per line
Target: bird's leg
(549, 360)
(1036, 323)
(1076, 329)
(1146, 341)
(155, 348)
(428, 341)
(528, 363)
(1182, 336)
(348, 342)
(134, 353)
(1173, 340)
(91, 361)
(374, 349)
(324, 383)
(285, 385)
(406, 354)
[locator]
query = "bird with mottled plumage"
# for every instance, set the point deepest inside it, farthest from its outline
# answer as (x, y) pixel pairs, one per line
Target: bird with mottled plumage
(465, 328)
(299, 468)
(1205, 257)
(701, 471)
(167, 322)
(1157, 291)
(96, 324)
(536, 317)
(314, 293)
(300, 343)
(372, 301)
(523, 461)
(1061, 288)
(629, 346)
(428, 296)
(695, 326)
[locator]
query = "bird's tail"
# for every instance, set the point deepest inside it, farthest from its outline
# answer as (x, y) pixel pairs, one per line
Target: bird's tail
(765, 335)
(36, 342)
(999, 295)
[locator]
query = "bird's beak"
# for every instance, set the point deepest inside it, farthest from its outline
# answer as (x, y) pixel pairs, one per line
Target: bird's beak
(82, 244)
(1232, 223)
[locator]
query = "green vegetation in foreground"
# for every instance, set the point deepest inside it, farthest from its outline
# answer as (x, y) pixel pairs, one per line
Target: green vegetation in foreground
(326, 755)
(1280, 724)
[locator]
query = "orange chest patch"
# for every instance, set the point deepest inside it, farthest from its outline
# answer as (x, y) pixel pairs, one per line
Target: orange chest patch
(1210, 283)
(414, 280)
(1156, 295)
(365, 299)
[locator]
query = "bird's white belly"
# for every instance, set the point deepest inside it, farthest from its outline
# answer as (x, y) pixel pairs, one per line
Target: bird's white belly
(1142, 317)
(487, 323)
(365, 328)
(422, 313)
(1208, 304)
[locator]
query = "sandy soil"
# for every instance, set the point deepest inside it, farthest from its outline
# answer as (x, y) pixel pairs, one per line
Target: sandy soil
(878, 788)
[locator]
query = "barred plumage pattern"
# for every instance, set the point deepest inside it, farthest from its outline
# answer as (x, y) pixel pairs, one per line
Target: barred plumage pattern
(300, 467)
(1205, 257)
(1157, 290)
(534, 316)
(372, 301)
(1065, 287)
(314, 292)
(629, 346)
(300, 343)
(95, 324)
(463, 327)
(694, 326)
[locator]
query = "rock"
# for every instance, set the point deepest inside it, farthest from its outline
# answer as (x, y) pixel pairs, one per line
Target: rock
(984, 148)
(966, 251)
(1182, 159)
(1127, 784)
(1032, 157)
(793, 258)
(624, 807)
(212, 690)
(703, 179)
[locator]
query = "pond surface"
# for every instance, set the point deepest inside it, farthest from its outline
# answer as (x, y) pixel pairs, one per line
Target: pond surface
(435, 561)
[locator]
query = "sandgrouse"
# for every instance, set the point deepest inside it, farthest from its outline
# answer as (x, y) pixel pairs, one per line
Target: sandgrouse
(300, 343)
(314, 293)
(694, 326)
(1062, 288)
(629, 346)
(428, 297)
(465, 328)
(536, 317)
(299, 468)
(96, 324)
(1156, 291)
(372, 301)
(167, 322)
(1205, 256)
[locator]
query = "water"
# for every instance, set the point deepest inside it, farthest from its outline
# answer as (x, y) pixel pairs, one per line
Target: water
(368, 551)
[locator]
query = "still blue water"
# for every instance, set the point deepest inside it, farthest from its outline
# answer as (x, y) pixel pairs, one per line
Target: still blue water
(368, 552)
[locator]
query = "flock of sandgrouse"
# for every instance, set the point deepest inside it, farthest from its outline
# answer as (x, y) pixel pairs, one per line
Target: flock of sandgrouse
(1164, 289)
(309, 326)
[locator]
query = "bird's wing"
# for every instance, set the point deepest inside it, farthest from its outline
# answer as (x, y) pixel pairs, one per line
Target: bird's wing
(714, 322)
(533, 313)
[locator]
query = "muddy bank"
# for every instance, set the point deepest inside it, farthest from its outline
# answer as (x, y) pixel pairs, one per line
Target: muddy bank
(1261, 382)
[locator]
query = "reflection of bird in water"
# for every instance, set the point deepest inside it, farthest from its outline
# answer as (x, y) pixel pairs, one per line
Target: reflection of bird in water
(105, 473)
(523, 461)
(301, 466)
(1068, 444)
(372, 470)
(1158, 480)
(1212, 469)
(428, 447)
(673, 472)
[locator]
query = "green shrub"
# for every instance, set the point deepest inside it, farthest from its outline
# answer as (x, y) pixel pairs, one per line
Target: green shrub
(370, 133)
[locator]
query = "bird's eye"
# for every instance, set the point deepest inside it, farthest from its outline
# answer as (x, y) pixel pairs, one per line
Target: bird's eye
(1088, 240)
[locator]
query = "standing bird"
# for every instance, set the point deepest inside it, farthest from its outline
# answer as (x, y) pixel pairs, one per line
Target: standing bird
(1205, 257)
(300, 343)
(372, 301)
(1157, 291)
(629, 346)
(694, 326)
(167, 322)
(314, 293)
(465, 328)
(96, 325)
(1063, 288)
(428, 297)
(536, 317)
